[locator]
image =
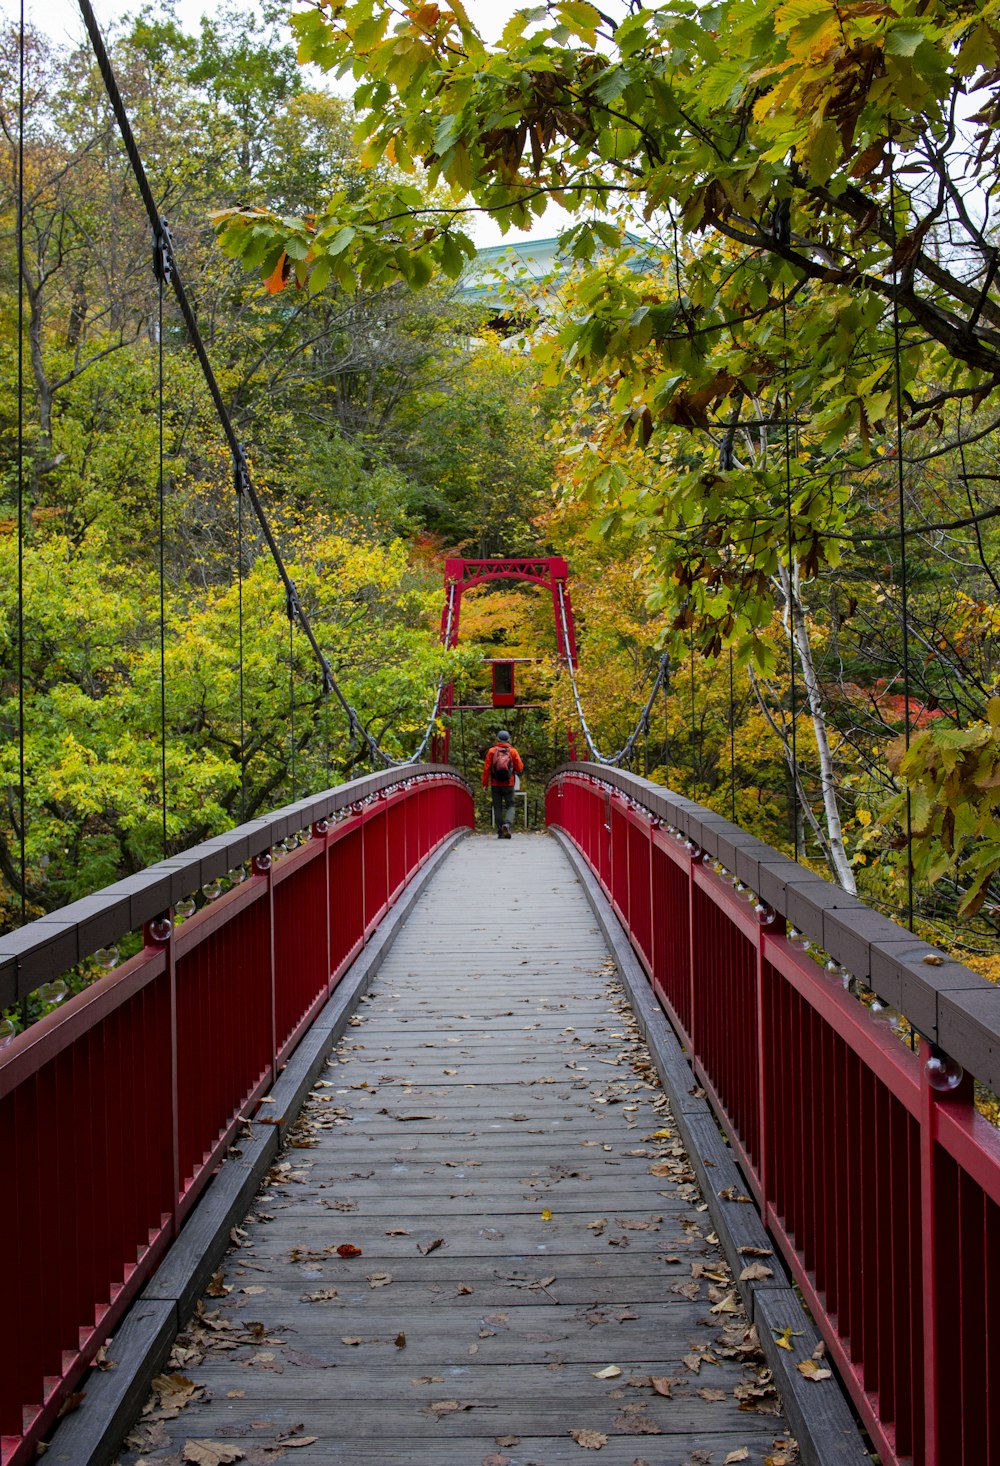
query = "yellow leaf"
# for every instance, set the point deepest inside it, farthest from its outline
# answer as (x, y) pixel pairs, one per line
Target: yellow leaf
(546, 1215)
(783, 1338)
(812, 1370)
(864, 816)
(612, 1372)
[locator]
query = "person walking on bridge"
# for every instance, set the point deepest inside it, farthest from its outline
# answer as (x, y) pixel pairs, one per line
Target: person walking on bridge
(500, 771)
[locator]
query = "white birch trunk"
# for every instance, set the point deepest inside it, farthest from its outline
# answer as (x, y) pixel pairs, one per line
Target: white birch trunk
(836, 852)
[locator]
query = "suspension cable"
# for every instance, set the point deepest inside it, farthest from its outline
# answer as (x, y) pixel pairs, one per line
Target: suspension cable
(245, 485)
(628, 747)
(22, 834)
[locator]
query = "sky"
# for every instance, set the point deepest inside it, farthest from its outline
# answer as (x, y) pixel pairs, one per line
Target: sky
(61, 20)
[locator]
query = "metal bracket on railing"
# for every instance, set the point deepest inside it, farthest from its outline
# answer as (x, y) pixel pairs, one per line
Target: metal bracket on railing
(292, 607)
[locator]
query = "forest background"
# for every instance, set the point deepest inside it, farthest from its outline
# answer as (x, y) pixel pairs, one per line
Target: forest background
(388, 423)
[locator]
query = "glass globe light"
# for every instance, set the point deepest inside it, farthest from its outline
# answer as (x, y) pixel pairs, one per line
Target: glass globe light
(160, 928)
(943, 1072)
(52, 993)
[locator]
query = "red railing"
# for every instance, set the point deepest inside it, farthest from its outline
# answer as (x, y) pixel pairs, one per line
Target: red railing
(878, 1181)
(115, 1108)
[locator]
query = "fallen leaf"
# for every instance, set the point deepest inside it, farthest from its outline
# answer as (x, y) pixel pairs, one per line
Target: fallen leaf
(397, 1232)
(379, 1280)
(507, 1440)
(322, 1295)
(708, 1394)
(612, 1372)
(463, 1289)
(174, 1391)
(432, 1246)
(236, 1394)
(729, 1304)
(741, 1455)
(693, 1361)
(299, 1440)
(347, 1249)
(546, 1215)
(783, 1338)
(400, 1341)
(755, 1272)
(351, 1340)
(663, 1384)
(210, 1453)
(933, 960)
(217, 1288)
(254, 1288)
(306, 1360)
(591, 1440)
(814, 1371)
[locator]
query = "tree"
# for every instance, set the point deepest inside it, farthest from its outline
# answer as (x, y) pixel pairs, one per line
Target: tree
(831, 171)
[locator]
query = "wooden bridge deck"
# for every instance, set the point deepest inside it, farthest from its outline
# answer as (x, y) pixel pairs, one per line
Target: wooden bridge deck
(532, 1253)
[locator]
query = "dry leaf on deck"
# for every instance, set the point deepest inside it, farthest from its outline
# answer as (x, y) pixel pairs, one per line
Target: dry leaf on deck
(347, 1249)
(812, 1370)
(741, 1455)
(210, 1453)
(612, 1372)
(432, 1246)
(756, 1272)
(378, 1280)
(591, 1440)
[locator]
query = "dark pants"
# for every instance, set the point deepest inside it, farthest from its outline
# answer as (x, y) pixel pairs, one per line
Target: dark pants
(503, 804)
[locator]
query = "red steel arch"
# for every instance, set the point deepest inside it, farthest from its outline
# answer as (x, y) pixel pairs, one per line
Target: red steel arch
(461, 575)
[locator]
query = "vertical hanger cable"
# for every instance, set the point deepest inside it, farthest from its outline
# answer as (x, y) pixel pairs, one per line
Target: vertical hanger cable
(793, 741)
(239, 583)
(901, 505)
(20, 473)
(161, 491)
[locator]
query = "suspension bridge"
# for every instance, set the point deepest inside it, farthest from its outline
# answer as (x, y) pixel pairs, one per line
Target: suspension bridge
(389, 1145)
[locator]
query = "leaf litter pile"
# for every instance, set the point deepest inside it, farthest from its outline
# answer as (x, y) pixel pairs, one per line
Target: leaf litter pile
(466, 1315)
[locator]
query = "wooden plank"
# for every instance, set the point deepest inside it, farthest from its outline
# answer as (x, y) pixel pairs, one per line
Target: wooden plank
(514, 1309)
